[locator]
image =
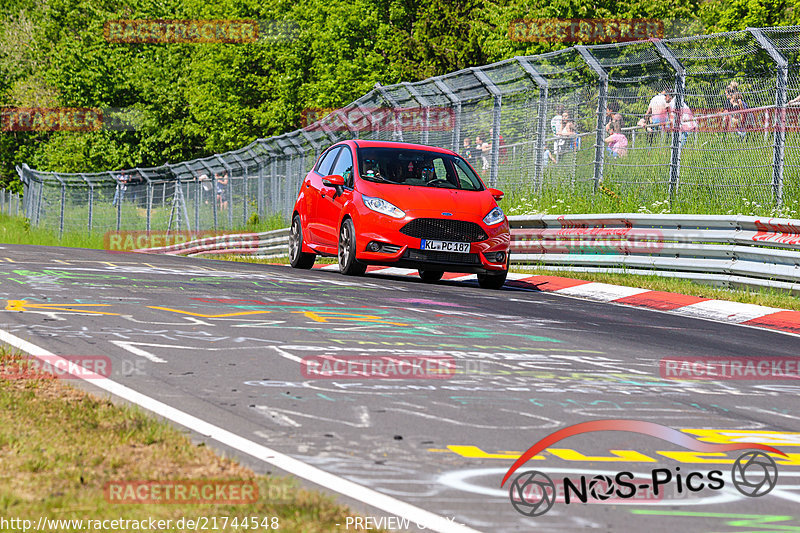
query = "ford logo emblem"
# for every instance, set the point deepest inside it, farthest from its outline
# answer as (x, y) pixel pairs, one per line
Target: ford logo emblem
(448, 214)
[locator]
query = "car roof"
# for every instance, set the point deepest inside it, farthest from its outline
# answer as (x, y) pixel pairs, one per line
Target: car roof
(359, 143)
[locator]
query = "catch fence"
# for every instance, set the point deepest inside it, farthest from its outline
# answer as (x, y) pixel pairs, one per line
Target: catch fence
(731, 146)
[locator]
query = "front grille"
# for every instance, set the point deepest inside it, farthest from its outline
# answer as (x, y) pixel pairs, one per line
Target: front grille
(444, 230)
(432, 256)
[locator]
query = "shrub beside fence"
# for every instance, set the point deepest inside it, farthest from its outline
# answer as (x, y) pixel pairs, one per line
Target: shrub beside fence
(731, 144)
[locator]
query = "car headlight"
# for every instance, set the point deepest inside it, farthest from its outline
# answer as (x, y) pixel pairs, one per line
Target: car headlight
(383, 207)
(495, 216)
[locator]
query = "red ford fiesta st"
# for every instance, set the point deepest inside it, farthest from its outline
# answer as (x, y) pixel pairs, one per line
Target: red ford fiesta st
(399, 204)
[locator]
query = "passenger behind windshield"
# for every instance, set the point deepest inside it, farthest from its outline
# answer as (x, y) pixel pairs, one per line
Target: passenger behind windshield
(416, 168)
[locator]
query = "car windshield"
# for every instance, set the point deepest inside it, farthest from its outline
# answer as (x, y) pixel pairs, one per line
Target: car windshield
(418, 168)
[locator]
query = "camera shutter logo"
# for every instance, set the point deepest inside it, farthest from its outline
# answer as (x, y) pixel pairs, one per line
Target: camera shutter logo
(532, 493)
(754, 474)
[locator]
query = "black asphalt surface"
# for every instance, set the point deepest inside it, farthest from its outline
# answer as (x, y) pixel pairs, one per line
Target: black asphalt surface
(223, 341)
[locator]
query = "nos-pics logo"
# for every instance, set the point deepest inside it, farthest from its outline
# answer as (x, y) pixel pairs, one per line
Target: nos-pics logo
(533, 493)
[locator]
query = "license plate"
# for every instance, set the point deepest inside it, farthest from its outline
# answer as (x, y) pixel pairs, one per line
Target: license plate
(445, 246)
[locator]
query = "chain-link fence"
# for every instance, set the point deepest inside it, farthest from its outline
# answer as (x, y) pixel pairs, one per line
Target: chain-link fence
(9, 203)
(707, 123)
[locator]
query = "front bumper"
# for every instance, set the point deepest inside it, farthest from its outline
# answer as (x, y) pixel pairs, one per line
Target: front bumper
(405, 251)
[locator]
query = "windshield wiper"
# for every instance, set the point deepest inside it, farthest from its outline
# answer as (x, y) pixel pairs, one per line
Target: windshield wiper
(378, 178)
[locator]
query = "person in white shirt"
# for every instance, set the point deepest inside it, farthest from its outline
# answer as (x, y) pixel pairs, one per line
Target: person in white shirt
(659, 113)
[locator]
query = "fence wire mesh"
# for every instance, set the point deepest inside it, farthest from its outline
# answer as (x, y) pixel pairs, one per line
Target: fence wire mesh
(710, 121)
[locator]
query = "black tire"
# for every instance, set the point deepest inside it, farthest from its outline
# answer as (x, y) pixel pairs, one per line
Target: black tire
(348, 265)
(297, 257)
(430, 276)
(492, 281)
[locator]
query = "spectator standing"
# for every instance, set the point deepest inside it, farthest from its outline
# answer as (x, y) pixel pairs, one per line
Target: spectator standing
(659, 113)
(119, 193)
(483, 149)
(222, 189)
(737, 114)
(467, 152)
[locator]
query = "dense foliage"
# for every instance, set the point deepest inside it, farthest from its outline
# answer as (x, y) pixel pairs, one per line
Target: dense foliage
(197, 99)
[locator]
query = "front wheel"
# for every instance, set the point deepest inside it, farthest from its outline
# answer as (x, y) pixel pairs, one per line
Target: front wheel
(348, 265)
(492, 281)
(297, 257)
(430, 276)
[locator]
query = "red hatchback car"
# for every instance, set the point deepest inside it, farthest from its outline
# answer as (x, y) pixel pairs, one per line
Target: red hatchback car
(399, 204)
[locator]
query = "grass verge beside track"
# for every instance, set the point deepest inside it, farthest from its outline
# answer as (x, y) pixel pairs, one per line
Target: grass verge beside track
(59, 446)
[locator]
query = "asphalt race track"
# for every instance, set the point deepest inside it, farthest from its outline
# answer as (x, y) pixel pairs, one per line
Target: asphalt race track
(224, 342)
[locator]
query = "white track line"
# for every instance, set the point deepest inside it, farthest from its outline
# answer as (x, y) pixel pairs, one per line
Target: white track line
(425, 519)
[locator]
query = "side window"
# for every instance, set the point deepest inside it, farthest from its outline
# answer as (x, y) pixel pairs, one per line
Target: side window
(344, 166)
(464, 179)
(438, 166)
(325, 164)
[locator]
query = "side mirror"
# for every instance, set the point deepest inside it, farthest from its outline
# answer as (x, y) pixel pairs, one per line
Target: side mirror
(334, 180)
(496, 194)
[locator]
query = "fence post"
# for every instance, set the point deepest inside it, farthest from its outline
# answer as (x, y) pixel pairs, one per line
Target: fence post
(541, 123)
(244, 168)
(496, 109)
(426, 109)
(301, 169)
(781, 81)
(63, 200)
(602, 101)
(260, 183)
(456, 102)
(680, 89)
(398, 132)
(39, 202)
(150, 192)
(91, 201)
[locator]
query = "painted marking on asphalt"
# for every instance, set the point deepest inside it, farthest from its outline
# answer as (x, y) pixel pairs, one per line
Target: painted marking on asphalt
(132, 348)
(190, 313)
(602, 291)
(724, 310)
(373, 498)
(24, 305)
(277, 417)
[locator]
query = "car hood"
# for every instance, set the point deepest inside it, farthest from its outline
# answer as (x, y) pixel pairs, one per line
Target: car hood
(476, 203)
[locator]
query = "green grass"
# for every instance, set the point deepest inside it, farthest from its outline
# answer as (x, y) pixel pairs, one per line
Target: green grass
(17, 230)
(59, 447)
(720, 174)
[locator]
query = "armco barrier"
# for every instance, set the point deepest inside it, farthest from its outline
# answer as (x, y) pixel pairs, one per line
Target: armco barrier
(264, 245)
(729, 251)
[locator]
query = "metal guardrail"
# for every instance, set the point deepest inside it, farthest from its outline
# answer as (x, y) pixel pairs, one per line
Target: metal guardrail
(261, 245)
(729, 251)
